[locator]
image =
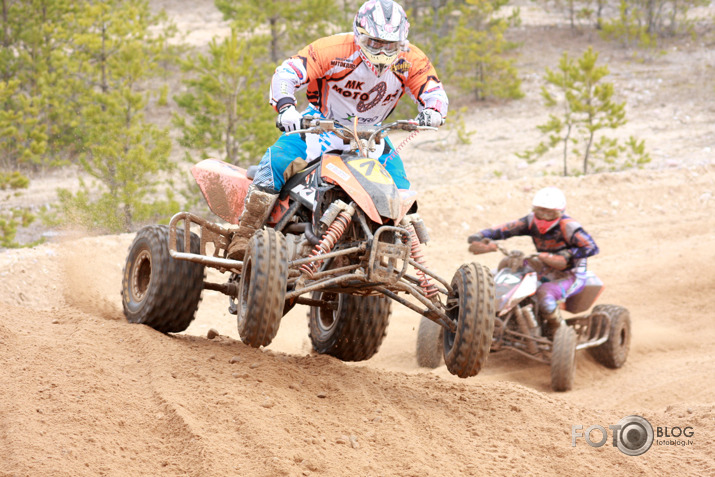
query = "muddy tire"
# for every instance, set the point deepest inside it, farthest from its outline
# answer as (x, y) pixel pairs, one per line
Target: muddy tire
(613, 353)
(262, 290)
(467, 350)
(353, 332)
(563, 358)
(157, 290)
(429, 344)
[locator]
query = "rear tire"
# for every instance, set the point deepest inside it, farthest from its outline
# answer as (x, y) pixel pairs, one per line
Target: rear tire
(158, 290)
(429, 344)
(563, 358)
(467, 350)
(261, 295)
(613, 353)
(353, 332)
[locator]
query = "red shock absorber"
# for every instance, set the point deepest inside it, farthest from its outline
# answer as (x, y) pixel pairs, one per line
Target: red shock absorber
(429, 288)
(330, 238)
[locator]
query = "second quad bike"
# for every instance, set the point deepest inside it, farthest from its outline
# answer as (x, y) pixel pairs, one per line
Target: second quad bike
(342, 239)
(605, 331)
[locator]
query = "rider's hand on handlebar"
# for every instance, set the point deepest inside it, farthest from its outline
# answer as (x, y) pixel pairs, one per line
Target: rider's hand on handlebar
(288, 119)
(430, 117)
(482, 246)
(475, 238)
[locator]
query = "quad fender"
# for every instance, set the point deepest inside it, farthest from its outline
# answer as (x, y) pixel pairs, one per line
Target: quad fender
(408, 199)
(369, 184)
(224, 186)
(584, 299)
(513, 287)
(336, 171)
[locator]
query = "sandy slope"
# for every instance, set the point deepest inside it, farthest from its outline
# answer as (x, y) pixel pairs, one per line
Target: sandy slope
(85, 393)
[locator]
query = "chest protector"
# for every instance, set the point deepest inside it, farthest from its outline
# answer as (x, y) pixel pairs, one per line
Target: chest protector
(557, 238)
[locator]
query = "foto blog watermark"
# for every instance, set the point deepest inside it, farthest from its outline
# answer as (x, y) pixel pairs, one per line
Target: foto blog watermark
(633, 435)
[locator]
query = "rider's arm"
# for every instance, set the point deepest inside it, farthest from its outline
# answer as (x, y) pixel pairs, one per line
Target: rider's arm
(421, 81)
(311, 63)
(582, 244)
(290, 76)
(509, 229)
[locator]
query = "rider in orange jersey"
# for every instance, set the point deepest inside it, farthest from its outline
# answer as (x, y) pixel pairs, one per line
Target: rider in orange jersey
(360, 75)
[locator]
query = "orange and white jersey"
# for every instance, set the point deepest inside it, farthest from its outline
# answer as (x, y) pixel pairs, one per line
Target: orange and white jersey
(342, 86)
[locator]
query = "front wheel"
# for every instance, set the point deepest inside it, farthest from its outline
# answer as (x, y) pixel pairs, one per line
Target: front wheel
(261, 295)
(354, 330)
(158, 290)
(429, 344)
(466, 351)
(563, 358)
(613, 353)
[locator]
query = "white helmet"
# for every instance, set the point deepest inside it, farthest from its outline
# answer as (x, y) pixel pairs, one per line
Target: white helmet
(380, 29)
(550, 198)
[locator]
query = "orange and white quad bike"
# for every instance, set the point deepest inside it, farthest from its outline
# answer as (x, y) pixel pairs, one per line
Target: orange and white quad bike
(342, 239)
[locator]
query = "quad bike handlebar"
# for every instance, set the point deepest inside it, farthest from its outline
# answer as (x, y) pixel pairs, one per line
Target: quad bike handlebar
(369, 135)
(512, 258)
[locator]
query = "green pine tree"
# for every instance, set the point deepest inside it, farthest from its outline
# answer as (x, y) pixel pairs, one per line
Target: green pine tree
(22, 142)
(12, 218)
(587, 106)
(286, 26)
(465, 40)
(36, 32)
(481, 66)
(116, 53)
(226, 104)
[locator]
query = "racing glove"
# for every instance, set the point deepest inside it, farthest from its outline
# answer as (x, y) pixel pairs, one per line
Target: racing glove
(475, 238)
(430, 117)
(482, 247)
(288, 118)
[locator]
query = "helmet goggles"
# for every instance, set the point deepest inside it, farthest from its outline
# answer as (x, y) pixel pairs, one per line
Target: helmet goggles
(543, 213)
(376, 46)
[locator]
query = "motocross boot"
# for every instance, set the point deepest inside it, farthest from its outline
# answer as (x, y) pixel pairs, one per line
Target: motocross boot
(552, 321)
(257, 207)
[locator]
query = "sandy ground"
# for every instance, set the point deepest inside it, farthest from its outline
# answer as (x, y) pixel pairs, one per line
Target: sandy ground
(86, 393)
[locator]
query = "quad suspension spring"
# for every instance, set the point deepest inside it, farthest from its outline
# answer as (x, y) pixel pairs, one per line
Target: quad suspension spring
(330, 238)
(429, 288)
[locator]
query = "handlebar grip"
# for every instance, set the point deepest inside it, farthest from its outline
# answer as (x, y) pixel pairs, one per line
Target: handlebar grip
(279, 125)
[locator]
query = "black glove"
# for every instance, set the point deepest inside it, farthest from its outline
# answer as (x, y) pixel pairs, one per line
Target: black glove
(475, 238)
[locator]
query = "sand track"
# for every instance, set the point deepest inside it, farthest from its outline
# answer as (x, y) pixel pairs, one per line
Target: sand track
(85, 393)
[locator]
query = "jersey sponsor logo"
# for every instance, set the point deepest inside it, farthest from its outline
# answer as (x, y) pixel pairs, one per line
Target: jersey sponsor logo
(424, 69)
(374, 96)
(361, 120)
(343, 63)
(352, 84)
(306, 191)
(351, 94)
(401, 66)
(392, 96)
